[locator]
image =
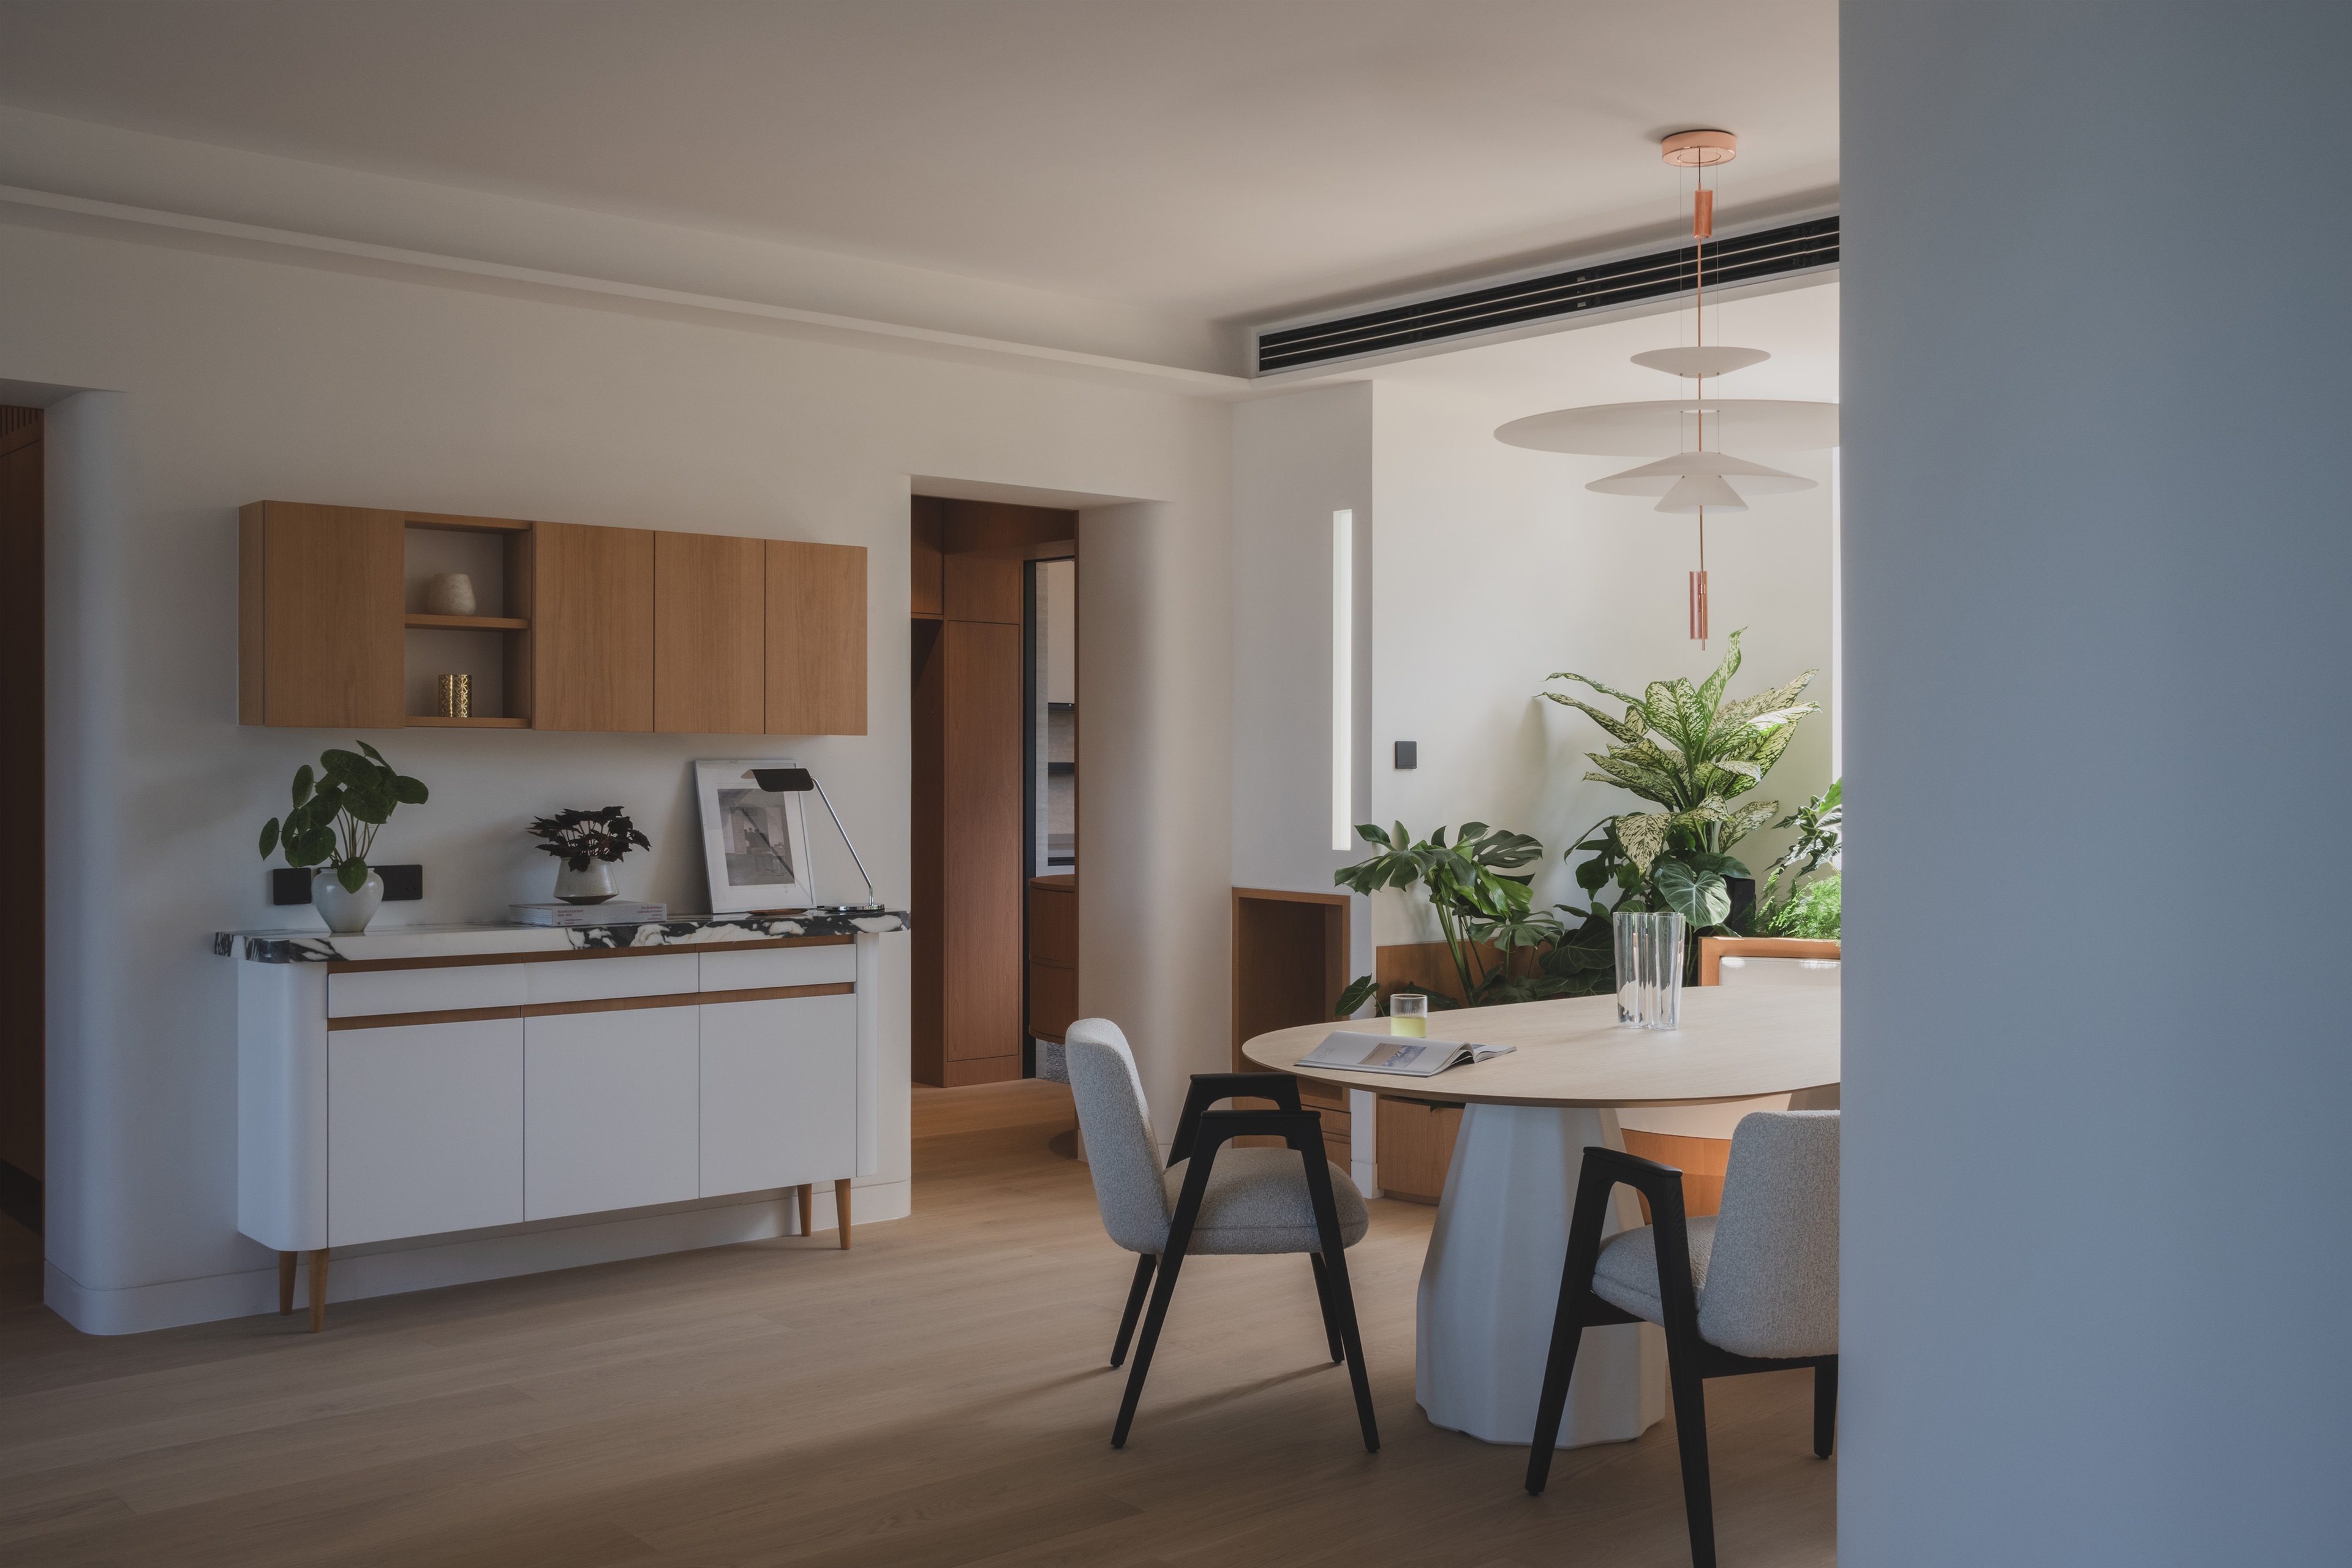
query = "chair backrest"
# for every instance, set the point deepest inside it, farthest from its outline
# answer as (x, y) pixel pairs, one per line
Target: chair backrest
(1122, 1150)
(1773, 1277)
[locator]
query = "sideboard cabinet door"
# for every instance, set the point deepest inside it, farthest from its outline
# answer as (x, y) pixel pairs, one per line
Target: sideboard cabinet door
(779, 1093)
(609, 1110)
(424, 1129)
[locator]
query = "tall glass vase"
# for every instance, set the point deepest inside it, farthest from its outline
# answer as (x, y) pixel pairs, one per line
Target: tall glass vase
(1650, 970)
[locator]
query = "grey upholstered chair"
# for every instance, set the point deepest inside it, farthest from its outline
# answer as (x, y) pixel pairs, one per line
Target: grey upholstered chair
(1753, 1288)
(1212, 1197)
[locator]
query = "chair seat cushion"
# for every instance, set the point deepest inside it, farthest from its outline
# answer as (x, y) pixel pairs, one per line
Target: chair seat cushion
(1627, 1275)
(1258, 1201)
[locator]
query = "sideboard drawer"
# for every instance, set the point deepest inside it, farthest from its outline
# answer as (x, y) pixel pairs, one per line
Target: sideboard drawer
(375, 992)
(761, 968)
(597, 979)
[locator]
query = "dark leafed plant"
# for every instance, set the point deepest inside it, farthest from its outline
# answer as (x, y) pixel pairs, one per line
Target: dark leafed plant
(338, 810)
(1467, 883)
(577, 836)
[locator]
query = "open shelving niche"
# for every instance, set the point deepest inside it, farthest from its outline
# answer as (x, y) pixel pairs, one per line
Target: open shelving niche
(494, 649)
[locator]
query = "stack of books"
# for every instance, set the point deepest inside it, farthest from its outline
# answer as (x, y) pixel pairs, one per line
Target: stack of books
(614, 912)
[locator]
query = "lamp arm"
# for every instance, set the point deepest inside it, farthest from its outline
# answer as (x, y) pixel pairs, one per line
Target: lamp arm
(845, 837)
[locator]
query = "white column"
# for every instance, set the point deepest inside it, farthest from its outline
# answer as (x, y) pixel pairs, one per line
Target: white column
(2097, 555)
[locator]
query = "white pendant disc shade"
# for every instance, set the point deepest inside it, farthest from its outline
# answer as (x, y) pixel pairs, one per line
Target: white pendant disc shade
(1631, 429)
(1659, 477)
(1697, 493)
(1710, 360)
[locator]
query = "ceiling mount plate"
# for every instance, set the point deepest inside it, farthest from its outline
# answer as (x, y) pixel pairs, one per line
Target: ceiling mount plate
(1699, 149)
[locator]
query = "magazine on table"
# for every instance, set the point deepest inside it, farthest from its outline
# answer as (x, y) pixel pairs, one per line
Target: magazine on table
(1350, 1051)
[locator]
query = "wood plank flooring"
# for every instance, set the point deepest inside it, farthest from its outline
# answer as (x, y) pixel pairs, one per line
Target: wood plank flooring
(935, 1398)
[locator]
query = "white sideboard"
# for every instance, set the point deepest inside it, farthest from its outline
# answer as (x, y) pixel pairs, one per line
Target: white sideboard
(424, 1083)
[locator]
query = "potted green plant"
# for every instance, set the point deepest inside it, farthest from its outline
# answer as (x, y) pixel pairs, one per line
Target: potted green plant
(1477, 903)
(333, 826)
(1688, 751)
(590, 844)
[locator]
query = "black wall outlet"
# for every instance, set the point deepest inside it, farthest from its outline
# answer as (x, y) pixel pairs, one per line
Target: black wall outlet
(291, 884)
(1408, 753)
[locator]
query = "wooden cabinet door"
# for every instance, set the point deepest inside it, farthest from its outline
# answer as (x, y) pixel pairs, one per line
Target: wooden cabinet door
(610, 1106)
(320, 631)
(779, 1093)
(817, 639)
(709, 619)
(592, 627)
(981, 881)
(424, 1129)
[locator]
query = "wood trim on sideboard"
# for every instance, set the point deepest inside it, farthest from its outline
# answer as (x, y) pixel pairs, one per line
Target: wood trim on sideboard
(1713, 950)
(598, 1004)
(475, 959)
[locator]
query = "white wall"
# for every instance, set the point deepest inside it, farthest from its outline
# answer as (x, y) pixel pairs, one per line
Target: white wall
(1298, 459)
(2096, 569)
(239, 380)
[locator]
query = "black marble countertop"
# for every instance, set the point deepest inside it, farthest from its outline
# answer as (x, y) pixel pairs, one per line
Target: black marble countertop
(431, 941)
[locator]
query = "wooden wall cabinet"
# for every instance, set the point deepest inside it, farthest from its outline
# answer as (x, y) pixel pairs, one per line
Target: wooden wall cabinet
(318, 624)
(815, 638)
(710, 625)
(610, 629)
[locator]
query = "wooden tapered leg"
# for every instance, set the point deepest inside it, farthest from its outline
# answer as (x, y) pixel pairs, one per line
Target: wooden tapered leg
(841, 1209)
(808, 1207)
(317, 1289)
(285, 1262)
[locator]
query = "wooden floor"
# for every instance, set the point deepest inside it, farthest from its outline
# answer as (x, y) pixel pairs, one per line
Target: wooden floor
(937, 1396)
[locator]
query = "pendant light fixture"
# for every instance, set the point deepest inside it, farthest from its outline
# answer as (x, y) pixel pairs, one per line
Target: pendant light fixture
(1700, 474)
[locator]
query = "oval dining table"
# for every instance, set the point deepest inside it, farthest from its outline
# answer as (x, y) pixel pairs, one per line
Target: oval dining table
(1491, 1281)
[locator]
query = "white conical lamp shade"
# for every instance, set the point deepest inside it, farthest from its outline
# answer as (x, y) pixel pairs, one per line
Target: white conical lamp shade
(1663, 477)
(1692, 491)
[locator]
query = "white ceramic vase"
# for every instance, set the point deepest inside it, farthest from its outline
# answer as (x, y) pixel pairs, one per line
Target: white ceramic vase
(346, 913)
(593, 886)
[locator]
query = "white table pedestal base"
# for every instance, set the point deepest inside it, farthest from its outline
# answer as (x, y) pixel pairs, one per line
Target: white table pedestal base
(1491, 1284)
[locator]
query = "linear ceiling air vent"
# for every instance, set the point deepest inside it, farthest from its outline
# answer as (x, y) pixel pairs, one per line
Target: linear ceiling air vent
(1743, 259)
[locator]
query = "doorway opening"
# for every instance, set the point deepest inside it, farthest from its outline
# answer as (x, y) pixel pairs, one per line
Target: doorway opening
(993, 619)
(24, 1036)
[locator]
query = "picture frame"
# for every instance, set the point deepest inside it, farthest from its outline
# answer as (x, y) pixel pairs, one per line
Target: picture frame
(755, 844)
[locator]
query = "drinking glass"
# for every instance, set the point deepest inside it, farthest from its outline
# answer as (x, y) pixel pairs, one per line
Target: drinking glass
(1650, 970)
(1409, 1014)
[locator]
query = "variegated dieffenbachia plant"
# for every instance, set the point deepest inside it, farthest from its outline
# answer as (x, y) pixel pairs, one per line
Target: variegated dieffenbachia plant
(1687, 750)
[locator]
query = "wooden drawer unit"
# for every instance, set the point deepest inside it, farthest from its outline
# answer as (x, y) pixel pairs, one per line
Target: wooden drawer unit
(424, 1129)
(829, 965)
(604, 979)
(444, 989)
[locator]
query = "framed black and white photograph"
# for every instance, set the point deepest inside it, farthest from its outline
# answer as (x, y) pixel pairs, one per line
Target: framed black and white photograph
(754, 843)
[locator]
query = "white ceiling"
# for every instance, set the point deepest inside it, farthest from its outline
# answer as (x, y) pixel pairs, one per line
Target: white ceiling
(1216, 158)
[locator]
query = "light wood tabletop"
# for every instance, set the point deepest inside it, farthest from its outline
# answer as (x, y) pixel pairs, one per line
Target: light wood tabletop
(1735, 1043)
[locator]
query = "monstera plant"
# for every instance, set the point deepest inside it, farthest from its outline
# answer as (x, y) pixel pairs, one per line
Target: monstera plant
(1686, 749)
(1477, 903)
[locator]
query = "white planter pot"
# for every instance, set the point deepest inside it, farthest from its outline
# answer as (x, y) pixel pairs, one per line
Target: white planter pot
(593, 886)
(346, 913)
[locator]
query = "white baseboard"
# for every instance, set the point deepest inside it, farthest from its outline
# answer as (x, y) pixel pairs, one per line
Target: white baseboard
(512, 1251)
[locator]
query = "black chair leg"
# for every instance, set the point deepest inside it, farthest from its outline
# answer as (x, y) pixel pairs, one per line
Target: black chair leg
(1160, 1291)
(1144, 1265)
(1690, 1436)
(1323, 1295)
(1567, 1336)
(1825, 1408)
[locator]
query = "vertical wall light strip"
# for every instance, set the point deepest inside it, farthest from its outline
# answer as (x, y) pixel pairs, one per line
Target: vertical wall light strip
(1837, 612)
(1343, 679)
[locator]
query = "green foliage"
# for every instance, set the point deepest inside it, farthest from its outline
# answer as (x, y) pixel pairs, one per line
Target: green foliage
(1812, 912)
(1685, 749)
(580, 836)
(337, 811)
(1467, 882)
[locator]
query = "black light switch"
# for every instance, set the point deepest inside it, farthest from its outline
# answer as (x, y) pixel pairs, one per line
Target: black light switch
(1408, 753)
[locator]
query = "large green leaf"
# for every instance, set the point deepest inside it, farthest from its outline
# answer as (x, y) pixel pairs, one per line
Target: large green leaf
(302, 778)
(1702, 897)
(1630, 729)
(268, 837)
(409, 791)
(1711, 690)
(352, 874)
